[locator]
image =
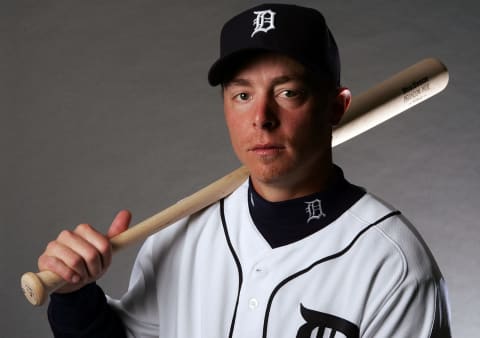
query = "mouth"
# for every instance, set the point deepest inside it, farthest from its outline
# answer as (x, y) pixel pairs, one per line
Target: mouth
(266, 149)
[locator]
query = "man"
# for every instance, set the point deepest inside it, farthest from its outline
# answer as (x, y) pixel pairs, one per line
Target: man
(296, 251)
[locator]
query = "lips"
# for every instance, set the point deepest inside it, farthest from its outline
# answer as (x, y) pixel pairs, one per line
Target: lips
(266, 149)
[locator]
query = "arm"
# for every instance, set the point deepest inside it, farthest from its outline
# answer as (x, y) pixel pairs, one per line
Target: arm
(80, 257)
(83, 313)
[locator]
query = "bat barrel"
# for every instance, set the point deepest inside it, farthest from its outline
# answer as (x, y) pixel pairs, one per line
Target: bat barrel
(389, 98)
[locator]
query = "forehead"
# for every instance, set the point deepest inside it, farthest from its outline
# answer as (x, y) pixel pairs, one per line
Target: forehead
(267, 65)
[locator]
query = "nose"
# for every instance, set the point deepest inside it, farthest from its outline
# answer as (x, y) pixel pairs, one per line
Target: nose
(265, 116)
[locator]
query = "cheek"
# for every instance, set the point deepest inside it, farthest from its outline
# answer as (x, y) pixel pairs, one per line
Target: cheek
(234, 130)
(309, 132)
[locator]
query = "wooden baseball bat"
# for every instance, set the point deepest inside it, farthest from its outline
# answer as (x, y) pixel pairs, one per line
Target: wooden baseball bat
(380, 103)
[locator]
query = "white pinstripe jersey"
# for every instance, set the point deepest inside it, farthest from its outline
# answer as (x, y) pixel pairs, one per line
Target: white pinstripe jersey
(367, 274)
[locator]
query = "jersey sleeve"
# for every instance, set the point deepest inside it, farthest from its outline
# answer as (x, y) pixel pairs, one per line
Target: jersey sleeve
(417, 304)
(84, 313)
(414, 310)
(138, 307)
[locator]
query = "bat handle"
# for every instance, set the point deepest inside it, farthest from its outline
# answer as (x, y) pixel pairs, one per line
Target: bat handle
(37, 286)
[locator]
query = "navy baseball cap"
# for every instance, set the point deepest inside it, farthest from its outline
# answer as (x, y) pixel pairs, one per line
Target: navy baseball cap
(298, 32)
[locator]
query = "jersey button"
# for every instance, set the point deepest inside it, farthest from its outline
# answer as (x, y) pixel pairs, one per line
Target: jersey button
(253, 303)
(260, 271)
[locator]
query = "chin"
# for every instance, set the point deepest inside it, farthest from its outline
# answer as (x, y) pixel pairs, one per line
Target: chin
(270, 175)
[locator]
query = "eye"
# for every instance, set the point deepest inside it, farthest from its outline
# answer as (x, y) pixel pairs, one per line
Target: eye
(242, 96)
(290, 93)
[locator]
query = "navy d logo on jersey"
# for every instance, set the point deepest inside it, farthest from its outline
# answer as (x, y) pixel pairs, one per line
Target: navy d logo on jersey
(320, 324)
(314, 210)
(263, 22)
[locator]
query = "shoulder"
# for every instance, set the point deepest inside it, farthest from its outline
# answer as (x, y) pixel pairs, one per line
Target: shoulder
(394, 237)
(402, 269)
(202, 224)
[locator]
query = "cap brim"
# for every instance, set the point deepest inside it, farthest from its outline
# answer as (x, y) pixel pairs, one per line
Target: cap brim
(225, 67)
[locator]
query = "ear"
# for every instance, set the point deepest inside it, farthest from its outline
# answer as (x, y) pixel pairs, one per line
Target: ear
(340, 104)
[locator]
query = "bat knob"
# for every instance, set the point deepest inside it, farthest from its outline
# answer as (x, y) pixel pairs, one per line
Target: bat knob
(33, 288)
(37, 286)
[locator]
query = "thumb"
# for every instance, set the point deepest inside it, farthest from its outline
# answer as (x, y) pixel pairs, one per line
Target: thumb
(120, 223)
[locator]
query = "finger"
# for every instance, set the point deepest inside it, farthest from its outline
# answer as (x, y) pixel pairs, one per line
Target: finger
(120, 223)
(63, 261)
(93, 246)
(57, 266)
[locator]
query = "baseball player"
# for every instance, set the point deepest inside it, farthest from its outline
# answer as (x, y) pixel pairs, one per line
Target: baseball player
(296, 250)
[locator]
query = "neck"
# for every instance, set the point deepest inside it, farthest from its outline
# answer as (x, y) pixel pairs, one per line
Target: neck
(285, 190)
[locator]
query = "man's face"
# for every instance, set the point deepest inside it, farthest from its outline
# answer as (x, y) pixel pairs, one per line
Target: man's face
(279, 128)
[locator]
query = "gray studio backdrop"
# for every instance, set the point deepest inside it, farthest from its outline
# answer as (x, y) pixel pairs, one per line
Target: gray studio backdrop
(105, 105)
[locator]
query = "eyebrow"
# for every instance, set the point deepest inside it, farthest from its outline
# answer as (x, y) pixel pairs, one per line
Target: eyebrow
(276, 81)
(237, 82)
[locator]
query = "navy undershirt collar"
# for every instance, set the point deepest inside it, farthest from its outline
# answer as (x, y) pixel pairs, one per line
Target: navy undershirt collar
(285, 222)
